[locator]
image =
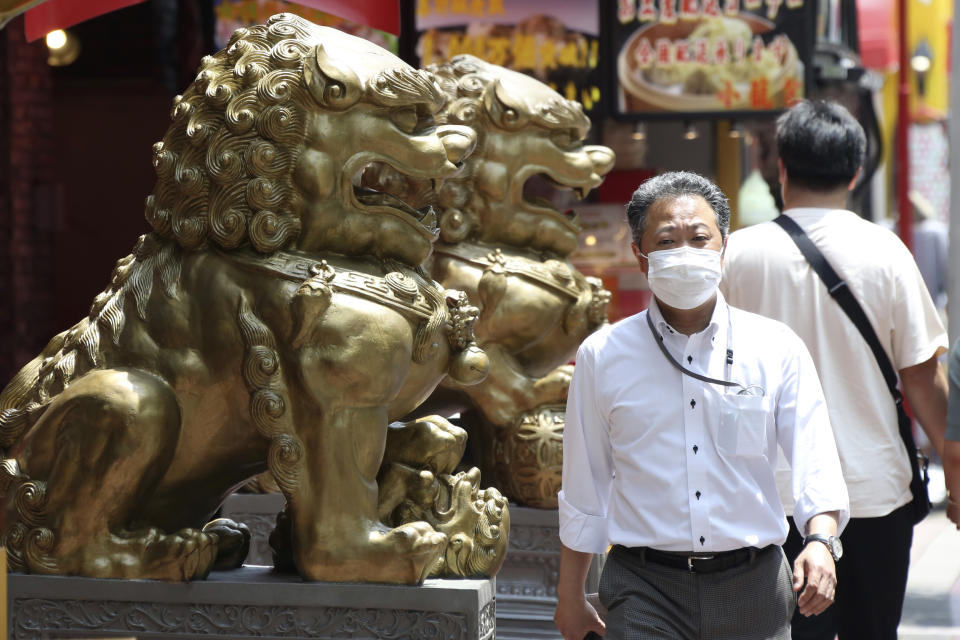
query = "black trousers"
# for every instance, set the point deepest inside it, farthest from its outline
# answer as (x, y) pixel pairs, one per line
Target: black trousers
(871, 580)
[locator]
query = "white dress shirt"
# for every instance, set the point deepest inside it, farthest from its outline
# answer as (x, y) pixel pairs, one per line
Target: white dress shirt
(764, 272)
(656, 458)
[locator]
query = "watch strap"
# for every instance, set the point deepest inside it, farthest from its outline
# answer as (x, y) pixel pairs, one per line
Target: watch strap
(826, 540)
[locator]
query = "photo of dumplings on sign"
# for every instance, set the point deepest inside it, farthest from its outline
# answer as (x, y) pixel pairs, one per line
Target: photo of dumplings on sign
(703, 58)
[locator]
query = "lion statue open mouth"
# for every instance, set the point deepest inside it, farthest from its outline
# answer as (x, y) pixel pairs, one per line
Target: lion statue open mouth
(276, 318)
(507, 224)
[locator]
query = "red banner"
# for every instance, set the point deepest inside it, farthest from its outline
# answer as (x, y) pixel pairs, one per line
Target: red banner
(379, 14)
(60, 14)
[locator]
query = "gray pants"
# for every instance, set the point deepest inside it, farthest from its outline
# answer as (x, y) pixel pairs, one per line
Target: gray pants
(647, 601)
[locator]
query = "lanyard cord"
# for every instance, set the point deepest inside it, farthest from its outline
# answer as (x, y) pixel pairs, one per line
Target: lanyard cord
(659, 340)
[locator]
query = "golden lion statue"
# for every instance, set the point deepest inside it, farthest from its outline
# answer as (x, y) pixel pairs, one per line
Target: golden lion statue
(507, 248)
(276, 319)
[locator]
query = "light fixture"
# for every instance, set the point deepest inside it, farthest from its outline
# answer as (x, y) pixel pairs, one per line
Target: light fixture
(590, 240)
(920, 62)
(640, 131)
(736, 129)
(63, 48)
(57, 39)
(690, 131)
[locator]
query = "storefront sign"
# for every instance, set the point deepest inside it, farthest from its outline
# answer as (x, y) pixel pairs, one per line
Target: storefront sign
(558, 43)
(702, 57)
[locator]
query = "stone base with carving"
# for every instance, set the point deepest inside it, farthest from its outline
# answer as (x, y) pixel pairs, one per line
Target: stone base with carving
(244, 603)
(527, 582)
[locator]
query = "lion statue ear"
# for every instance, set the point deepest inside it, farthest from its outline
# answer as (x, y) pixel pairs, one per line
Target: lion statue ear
(332, 84)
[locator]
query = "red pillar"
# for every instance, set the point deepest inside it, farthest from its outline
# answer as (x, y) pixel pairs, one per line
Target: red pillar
(903, 127)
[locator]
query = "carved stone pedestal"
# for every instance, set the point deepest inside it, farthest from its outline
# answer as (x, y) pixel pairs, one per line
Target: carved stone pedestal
(245, 603)
(527, 582)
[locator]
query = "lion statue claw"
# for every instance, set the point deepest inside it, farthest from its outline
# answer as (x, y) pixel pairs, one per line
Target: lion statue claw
(277, 318)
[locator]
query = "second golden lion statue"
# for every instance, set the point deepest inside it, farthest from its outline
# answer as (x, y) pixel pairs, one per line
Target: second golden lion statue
(277, 318)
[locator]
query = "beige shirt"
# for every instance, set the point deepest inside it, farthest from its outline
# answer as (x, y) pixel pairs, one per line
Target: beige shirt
(765, 272)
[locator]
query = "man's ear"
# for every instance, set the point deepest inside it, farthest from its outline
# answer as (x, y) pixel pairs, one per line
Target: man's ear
(641, 260)
(856, 177)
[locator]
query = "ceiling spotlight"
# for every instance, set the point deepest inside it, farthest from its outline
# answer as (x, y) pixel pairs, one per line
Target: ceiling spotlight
(690, 131)
(640, 131)
(736, 129)
(63, 48)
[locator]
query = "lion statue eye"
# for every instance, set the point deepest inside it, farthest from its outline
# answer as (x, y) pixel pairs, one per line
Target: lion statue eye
(564, 139)
(406, 119)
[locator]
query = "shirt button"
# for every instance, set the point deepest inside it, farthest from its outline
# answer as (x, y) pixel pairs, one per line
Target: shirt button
(695, 449)
(702, 539)
(693, 403)
(697, 494)
(689, 359)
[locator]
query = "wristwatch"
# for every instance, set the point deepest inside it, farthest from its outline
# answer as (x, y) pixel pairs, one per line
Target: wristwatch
(832, 542)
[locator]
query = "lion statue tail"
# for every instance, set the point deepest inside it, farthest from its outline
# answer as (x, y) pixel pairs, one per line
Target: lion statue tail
(17, 410)
(84, 346)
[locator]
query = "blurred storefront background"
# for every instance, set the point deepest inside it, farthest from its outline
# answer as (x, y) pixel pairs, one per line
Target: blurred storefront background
(691, 84)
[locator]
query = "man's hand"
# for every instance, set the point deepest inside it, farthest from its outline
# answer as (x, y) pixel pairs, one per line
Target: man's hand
(576, 619)
(815, 564)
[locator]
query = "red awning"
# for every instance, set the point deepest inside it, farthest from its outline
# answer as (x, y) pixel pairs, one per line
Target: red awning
(60, 14)
(877, 32)
(379, 14)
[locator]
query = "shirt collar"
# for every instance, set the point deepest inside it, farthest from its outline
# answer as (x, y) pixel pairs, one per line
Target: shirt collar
(717, 325)
(810, 213)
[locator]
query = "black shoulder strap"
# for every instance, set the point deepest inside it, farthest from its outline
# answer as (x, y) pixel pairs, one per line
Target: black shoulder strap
(844, 297)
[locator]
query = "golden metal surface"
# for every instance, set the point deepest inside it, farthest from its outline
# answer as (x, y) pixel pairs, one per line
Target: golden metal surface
(276, 319)
(506, 249)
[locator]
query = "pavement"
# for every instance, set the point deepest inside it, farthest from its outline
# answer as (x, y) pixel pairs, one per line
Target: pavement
(931, 610)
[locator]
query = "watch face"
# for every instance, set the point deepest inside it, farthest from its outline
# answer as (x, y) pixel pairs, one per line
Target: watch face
(835, 547)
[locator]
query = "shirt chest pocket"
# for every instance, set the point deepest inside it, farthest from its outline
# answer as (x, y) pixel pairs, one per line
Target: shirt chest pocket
(744, 422)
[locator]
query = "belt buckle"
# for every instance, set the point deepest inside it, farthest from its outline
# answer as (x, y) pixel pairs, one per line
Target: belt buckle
(692, 557)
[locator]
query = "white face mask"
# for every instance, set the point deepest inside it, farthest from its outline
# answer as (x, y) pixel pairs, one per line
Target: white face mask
(685, 277)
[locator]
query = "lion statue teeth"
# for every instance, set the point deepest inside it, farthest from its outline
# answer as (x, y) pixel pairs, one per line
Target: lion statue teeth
(506, 245)
(277, 318)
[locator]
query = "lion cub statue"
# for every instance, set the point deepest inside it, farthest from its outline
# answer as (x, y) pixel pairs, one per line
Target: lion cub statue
(506, 245)
(276, 319)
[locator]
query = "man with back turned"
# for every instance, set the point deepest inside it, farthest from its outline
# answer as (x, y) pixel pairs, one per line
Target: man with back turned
(821, 148)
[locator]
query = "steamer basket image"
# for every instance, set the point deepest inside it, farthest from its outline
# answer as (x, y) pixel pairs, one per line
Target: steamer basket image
(687, 86)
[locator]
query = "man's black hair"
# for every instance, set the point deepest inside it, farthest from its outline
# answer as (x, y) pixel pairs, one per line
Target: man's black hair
(821, 145)
(671, 186)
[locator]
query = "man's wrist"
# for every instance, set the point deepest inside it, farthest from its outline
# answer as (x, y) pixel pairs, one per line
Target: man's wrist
(832, 543)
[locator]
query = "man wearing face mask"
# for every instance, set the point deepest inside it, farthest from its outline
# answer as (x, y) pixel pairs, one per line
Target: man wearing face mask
(821, 147)
(673, 420)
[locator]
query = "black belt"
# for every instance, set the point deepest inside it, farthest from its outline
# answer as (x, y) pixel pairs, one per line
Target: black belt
(694, 562)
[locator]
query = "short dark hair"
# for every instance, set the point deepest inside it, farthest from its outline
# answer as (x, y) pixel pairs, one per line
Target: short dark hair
(670, 186)
(821, 145)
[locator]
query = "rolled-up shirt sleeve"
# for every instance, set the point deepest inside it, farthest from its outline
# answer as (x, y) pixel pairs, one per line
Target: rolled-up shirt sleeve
(806, 437)
(587, 463)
